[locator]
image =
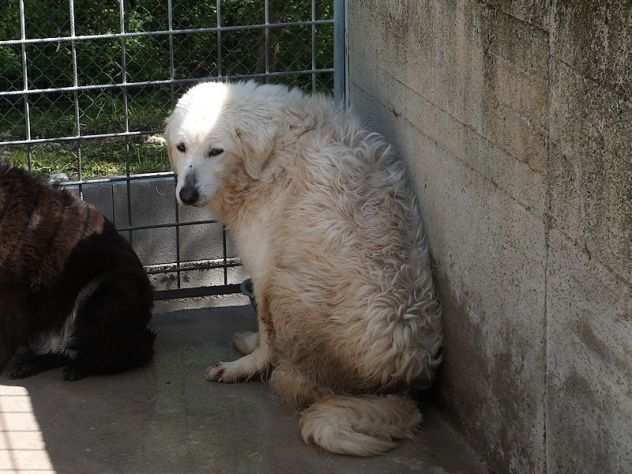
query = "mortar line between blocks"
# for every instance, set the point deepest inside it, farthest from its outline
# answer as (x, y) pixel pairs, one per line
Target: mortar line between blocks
(547, 244)
(526, 207)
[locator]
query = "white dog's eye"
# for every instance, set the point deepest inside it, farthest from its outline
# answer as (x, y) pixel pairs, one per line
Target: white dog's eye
(215, 152)
(181, 147)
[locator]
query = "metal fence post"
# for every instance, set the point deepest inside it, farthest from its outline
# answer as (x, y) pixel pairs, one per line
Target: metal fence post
(340, 56)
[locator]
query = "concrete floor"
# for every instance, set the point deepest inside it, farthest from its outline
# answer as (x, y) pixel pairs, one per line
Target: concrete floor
(168, 419)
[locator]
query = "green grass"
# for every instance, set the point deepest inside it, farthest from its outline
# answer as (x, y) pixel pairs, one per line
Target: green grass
(102, 159)
(99, 158)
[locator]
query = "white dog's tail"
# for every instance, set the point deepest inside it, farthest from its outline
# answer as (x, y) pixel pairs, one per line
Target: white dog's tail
(359, 426)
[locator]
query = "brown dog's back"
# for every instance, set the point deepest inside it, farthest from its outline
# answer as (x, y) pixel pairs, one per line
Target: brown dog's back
(39, 226)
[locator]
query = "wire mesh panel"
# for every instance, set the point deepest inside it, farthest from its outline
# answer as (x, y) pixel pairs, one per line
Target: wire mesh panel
(85, 86)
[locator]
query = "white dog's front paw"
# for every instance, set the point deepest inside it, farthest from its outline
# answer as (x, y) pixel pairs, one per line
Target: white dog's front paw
(228, 372)
(218, 372)
(241, 369)
(214, 372)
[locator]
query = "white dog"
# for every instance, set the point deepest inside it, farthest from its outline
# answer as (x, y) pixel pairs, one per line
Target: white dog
(328, 227)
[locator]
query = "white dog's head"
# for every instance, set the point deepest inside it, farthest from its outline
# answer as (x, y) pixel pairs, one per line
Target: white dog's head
(215, 126)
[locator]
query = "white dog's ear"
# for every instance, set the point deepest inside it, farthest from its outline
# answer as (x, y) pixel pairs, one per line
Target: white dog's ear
(171, 154)
(256, 148)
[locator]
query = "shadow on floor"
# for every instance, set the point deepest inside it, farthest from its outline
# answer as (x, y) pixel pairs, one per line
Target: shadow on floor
(168, 419)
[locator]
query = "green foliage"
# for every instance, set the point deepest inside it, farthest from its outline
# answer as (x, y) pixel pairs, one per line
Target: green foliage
(146, 58)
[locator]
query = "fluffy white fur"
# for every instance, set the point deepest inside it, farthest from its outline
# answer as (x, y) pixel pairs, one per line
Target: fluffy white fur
(328, 227)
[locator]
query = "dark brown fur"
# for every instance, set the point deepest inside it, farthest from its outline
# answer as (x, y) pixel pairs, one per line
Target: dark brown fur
(40, 227)
(72, 291)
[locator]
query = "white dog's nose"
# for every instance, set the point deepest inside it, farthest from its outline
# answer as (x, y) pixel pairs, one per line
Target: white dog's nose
(189, 195)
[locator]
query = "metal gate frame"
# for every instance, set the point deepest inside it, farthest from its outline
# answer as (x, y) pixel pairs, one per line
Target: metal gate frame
(339, 73)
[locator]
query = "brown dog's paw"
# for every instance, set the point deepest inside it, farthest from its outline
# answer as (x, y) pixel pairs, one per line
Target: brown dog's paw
(72, 374)
(21, 371)
(26, 364)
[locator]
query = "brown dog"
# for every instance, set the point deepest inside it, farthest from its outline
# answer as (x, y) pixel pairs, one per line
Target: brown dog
(72, 291)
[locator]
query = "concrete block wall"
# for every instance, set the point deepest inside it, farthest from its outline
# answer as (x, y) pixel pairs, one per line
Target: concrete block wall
(515, 117)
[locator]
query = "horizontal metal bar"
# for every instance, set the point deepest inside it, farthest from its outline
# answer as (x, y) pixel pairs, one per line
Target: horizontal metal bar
(116, 179)
(215, 290)
(136, 34)
(74, 138)
(164, 226)
(127, 85)
(192, 265)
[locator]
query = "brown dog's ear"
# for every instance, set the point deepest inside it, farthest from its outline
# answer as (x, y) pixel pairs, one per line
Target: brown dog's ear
(256, 148)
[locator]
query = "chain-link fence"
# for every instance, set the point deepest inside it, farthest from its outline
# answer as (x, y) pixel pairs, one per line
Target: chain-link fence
(85, 87)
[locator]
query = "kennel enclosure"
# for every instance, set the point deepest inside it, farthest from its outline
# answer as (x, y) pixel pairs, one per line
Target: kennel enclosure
(86, 86)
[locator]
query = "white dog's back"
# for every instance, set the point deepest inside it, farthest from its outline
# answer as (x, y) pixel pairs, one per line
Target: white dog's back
(354, 257)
